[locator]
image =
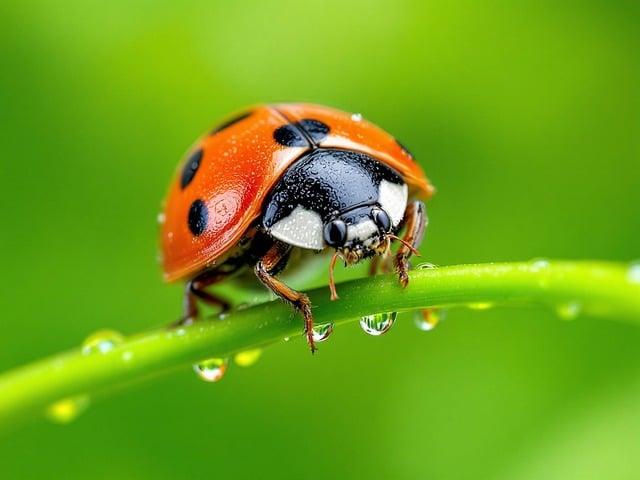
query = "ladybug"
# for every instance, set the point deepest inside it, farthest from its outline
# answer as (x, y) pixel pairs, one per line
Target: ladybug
(283, 178)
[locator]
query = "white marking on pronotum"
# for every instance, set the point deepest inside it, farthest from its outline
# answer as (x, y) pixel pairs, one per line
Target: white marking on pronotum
(362, 230)
(393, 199)
(301, 228)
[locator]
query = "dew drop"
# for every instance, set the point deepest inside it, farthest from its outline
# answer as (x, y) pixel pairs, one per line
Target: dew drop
(634, 272)
(248, 357)
(161, 218)
(569, 310)
(286, 339)
(378, 323)
(427, 319)
(426, 266)
(127, 356)
(101, 341)
(356, 117)
(322, 332)
(212, 369)
(480, 305)
(68, 409)
(539, 264)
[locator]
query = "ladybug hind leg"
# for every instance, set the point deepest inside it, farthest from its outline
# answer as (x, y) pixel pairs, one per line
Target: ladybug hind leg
(415, 221)
(196, 290)
(273, 261)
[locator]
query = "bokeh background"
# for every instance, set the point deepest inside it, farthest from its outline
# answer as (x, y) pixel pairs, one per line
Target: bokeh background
(526, 115)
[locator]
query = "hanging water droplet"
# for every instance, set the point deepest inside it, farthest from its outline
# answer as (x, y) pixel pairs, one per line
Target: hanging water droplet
(569, 310)
(248, 357)
(67, 409)
(427, 319)
(212, 370)
(480, 305)
(378, 323)
(634, 272)
(322, 332)
(101, 341)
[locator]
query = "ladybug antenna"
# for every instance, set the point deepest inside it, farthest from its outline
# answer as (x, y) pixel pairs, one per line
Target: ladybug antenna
(405, 243)
(332, 281)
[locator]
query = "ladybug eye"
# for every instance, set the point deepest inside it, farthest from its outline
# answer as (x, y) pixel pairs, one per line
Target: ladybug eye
(381, 219)
(335, 233)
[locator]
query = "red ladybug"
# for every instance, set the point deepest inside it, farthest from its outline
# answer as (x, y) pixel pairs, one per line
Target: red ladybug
(283, 177)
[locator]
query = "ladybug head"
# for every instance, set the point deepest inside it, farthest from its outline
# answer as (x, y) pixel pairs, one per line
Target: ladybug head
(341, 199)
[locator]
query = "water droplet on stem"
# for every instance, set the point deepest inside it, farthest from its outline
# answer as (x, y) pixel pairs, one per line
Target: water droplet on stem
(568, 310)
(322, 332)
(634, 272)
(480, 305)
(426, 266)
(427, 319)
(378, 323)
(101, 341)
(212, 370)
(248, 357)
(68, 409)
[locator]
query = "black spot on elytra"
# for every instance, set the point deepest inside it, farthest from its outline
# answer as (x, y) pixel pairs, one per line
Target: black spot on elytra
(290, 136)
(404, 149)
(301, 134)
(230, 122)
(190, 168)
(315, 129)
(198, 217)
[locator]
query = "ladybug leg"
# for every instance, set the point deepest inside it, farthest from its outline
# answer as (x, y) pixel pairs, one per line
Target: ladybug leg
(415, 220)
(264, 270)
(373, 265)
(382, 263)
(195, 289)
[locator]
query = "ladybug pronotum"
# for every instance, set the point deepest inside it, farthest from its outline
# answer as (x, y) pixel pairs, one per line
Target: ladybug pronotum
(285, 177)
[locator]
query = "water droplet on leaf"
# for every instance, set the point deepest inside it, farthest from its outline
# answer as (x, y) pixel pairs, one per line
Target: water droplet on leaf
(67, 409)
(212, 370)
(322, 332)
(427, 319)
(101, 341)
(248, 357)
(378, 323)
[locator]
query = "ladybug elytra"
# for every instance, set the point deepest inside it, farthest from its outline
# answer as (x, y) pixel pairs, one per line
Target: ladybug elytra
(283, 177)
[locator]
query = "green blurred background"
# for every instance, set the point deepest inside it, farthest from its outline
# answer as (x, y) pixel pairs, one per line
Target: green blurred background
(526, 116)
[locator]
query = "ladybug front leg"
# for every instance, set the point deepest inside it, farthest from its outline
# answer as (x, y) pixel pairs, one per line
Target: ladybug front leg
(264, 270)
(381, 263)
(415, 220)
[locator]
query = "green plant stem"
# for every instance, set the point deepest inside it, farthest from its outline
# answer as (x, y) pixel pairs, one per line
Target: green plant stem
(598, 288)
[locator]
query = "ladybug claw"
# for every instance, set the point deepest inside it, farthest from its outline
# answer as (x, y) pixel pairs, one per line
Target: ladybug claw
(182, 322)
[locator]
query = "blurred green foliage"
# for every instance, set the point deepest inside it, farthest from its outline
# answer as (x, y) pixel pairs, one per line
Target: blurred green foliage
(526, 116)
